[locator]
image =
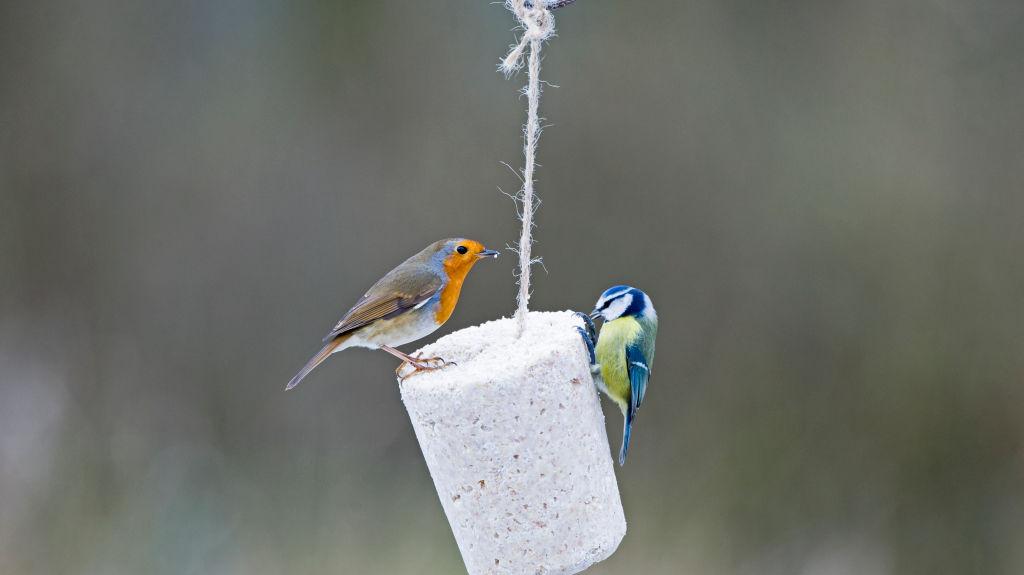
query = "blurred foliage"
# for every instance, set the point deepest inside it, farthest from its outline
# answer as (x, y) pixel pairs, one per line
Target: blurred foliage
(824, 200)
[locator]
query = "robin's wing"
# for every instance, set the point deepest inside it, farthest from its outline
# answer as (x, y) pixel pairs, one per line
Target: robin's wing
(397, 292)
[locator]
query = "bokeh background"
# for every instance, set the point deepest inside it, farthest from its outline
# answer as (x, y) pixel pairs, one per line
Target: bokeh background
(824, 199)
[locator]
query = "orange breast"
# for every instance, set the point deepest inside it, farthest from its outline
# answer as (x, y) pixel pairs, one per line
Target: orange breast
(449, 297)
(456, 267)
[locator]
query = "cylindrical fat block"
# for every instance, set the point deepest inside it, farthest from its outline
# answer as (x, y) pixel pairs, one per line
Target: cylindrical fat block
(514, 439)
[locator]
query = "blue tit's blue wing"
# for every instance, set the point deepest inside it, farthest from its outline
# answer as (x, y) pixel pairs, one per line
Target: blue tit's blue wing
(639, 373)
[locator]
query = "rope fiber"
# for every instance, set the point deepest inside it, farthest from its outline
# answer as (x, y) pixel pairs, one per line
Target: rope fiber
(538, 25)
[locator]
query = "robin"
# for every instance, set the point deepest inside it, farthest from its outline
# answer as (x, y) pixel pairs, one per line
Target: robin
(408, 303)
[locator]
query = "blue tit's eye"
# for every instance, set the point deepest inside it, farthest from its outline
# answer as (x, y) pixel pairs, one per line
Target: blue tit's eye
(462, 249)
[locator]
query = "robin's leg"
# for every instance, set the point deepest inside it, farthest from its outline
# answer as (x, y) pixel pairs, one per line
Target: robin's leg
(418, 363)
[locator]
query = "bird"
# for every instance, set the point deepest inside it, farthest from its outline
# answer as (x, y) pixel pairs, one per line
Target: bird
(408, 303)
(624, 354)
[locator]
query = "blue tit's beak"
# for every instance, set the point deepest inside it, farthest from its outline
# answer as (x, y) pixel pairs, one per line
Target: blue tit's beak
(489, 254)
(595, 314)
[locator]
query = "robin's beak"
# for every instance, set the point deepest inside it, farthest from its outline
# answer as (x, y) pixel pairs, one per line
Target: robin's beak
(489, 253)
(595, 314)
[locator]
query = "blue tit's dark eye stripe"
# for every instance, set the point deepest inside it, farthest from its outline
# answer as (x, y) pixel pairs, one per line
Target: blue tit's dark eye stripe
(637, 305)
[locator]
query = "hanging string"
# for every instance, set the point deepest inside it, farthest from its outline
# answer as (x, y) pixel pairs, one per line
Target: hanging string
(538, 25)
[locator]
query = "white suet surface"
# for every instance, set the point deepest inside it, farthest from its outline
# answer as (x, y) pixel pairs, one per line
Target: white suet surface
(514, 439)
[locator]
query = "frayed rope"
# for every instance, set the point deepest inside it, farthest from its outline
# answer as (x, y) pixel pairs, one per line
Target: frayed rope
(538, 25)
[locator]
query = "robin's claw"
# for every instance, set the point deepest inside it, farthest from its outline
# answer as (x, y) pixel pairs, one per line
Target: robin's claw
(399, 371)
(420, 364)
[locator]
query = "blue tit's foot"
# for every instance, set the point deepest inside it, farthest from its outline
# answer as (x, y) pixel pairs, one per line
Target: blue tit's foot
(588, 323)
(589, 333)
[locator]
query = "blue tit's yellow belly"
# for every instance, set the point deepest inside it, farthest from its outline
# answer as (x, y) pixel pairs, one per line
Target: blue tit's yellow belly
(611, 355)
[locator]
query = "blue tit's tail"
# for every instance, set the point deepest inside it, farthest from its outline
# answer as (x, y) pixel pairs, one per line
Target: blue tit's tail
(627, 427)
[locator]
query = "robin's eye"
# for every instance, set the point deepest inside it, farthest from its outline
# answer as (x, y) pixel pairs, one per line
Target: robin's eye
(462, 249)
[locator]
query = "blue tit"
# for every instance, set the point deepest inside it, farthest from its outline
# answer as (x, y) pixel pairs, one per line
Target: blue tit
(624, 352)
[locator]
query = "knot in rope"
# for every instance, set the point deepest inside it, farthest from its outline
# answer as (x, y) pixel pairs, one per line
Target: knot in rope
(538, 24)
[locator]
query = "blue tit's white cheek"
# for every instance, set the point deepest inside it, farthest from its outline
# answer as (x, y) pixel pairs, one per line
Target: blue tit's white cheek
(617, 307)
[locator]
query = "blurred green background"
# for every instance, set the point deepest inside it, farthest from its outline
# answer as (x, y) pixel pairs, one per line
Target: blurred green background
(824, 199)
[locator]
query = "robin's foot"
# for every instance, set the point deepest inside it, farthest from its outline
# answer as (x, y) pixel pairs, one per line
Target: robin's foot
(589, 333)
(419, 364)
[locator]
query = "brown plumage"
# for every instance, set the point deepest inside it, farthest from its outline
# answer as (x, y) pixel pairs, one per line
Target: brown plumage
(409, 302)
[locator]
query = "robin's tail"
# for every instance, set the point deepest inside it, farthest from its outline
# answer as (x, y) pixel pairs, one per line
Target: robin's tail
(317, 359)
